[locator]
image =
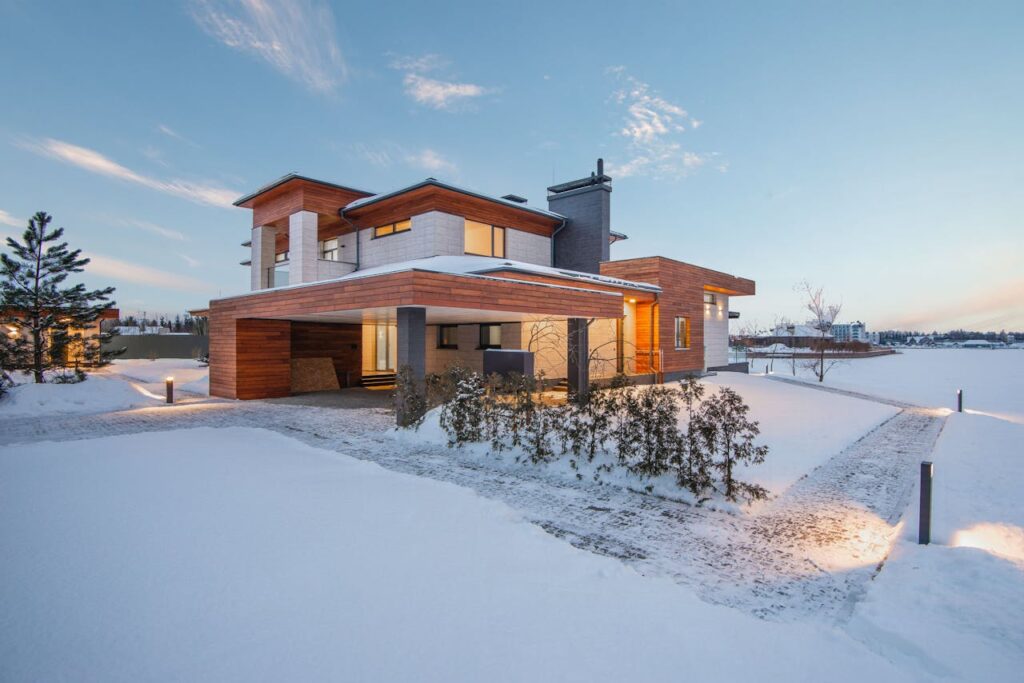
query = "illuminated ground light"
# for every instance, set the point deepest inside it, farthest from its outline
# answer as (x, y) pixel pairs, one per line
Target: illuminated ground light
(1004, 540)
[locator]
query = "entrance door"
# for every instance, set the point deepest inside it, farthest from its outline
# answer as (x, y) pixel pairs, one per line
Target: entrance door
(384, 347)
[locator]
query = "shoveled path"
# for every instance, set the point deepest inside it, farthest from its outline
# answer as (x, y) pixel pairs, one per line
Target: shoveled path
(809, 553)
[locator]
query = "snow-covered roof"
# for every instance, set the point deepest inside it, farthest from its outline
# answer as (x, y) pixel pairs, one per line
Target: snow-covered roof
(454, 188)
(798, 331)
(474, 266)
(978, 342)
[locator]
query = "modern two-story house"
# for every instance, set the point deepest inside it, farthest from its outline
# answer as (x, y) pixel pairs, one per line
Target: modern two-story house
(434, 274)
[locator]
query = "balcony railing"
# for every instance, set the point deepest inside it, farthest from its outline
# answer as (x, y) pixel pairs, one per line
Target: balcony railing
(277, 276)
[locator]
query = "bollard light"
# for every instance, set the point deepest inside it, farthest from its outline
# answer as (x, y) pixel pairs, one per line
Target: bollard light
(959, 400)
(924, 525)
(170, 390)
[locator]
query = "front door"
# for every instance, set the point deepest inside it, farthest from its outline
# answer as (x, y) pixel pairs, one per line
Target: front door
(384, 347)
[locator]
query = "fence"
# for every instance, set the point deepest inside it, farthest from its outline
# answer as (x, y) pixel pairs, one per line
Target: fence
(160, 345)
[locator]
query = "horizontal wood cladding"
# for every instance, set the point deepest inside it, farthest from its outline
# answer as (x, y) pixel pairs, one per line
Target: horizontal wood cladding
(682, 295)
(433, 198)
(419, 288)
(262, 358)
(661, 271)
(274, 207)
(341, 343)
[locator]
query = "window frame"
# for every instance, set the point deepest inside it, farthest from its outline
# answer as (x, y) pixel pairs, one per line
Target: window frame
(282, 257)
(710, 298)
(504, 239)
(481, 340)
(686, 332)
(336, 250)
(393, 228)
(440, 337)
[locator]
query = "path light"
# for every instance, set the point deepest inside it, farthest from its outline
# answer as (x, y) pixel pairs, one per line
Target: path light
(924, 527)
(170, 389)
(959, 400)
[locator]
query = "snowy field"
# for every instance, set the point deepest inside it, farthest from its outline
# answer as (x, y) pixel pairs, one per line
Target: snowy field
(140, 547)
(180, 556)
(122, 385)
(991, 379)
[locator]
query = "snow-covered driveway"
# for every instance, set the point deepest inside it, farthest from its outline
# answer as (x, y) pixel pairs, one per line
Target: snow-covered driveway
(807, 554)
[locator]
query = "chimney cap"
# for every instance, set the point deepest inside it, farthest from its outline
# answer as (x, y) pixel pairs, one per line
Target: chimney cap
(514, 198)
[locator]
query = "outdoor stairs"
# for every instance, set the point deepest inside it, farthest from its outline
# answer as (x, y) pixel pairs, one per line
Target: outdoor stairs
(379, 380)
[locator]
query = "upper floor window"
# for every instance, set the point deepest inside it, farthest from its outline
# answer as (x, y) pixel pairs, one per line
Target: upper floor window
(281, 257)
(484, 240)
(447, 336)
(682, 333)
(710, 298)
(490, 336)
(329, 250)
(392, 228)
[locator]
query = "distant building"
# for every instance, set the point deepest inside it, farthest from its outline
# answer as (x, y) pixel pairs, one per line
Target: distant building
(856, 331)
(979, 344)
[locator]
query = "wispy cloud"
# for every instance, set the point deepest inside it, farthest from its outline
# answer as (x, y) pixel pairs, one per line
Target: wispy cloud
(117, 269)
(8, 219)
(95, 162)
(436, 93)
(152, 228)
(296, 37)
(431, 160)
(388, 154)
(653, 128)
(171, 133)
(191, 262)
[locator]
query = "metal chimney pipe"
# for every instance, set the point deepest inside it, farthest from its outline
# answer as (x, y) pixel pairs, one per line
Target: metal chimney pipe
(600, 167)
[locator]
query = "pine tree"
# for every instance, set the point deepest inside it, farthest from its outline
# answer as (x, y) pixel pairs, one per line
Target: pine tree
(47, 314)
(733, 442)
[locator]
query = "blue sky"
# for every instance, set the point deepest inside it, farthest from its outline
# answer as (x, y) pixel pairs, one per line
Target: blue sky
(874, 150)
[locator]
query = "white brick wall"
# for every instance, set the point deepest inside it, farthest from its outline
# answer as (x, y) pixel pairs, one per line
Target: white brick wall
(432, 234)
(527, 247)
(716, 332)
(302, 247)
(261, 255)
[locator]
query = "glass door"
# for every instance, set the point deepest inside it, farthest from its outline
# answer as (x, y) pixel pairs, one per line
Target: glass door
(385, 351)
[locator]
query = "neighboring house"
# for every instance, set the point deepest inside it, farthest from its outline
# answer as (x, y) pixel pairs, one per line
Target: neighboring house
(793, 336)
(980, 344)
(433, 274)
(73, 352)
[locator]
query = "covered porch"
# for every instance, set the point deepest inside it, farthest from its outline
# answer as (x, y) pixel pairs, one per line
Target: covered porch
(357, 330)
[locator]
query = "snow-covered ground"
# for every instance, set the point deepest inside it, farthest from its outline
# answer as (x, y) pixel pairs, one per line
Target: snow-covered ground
(991, 379)
(947, 606)
(185, 556)
(230, 552)
(122, 385)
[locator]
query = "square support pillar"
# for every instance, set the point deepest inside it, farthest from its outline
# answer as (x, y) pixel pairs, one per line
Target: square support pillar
(578, 357)
(412, 340)
(262, 255)
(302, 247)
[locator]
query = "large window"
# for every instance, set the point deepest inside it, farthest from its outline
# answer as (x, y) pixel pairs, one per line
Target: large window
(682, 333)
(392, 228)
(329, 250)
(710, 298)
(485, 240)
(490, 336)
(447, 336)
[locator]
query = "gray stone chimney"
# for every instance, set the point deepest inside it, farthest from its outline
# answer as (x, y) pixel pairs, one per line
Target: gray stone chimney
(585, 239)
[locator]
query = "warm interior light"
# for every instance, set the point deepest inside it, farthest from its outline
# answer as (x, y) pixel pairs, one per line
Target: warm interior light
(632, 301)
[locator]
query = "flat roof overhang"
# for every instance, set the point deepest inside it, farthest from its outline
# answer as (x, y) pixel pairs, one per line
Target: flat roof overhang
(500, 298)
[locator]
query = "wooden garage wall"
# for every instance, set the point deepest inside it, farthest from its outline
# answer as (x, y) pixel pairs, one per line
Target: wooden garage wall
(262, 358)
(340, 342)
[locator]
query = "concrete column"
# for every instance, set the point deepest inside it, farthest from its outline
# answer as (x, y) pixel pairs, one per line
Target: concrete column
(262, 256)
(412, 340)
(302, 247)
(578, 357)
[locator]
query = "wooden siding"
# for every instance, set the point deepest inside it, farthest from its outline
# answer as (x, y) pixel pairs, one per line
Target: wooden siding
(262, 358)
(274, 207)
(433, 198)
(340, 342)
(248, 357)
(682, 295)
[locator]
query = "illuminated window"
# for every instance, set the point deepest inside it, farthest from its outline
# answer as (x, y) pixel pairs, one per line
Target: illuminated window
(490, 336)
(709, 298)
(329, 250)
(682, 333)
(485, 240)
(392, 228)
(447, 336)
